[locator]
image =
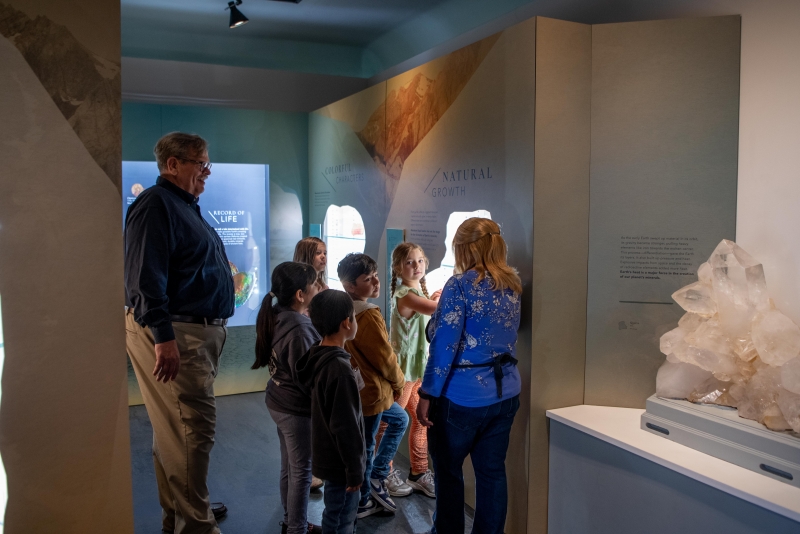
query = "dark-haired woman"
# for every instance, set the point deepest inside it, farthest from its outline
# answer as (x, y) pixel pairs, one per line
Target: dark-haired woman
(284, 333)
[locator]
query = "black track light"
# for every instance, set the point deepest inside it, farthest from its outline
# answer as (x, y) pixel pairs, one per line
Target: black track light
(237, 17)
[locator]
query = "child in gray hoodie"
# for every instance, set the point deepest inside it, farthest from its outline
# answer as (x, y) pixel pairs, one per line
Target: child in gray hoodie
(283, 334)
(337, 425)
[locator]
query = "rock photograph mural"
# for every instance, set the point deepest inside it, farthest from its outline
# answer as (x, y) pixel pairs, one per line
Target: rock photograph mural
(84, 86)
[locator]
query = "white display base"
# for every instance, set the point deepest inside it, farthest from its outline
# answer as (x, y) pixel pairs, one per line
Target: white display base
(720, 432)
(620, 427)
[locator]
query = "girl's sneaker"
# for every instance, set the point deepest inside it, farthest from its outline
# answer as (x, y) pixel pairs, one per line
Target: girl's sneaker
(423, 483)
(396, 486)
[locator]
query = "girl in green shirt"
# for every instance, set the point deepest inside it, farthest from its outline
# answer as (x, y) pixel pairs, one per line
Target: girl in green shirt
(411, 309)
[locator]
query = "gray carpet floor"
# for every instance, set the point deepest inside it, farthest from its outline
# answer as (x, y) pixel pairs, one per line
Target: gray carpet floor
(244, 472)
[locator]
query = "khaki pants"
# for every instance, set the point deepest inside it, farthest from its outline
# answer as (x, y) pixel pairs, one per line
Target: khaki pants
(183, 415)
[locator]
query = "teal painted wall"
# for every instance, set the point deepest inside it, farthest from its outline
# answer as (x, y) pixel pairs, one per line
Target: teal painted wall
(235, 136)
(279, 140)
(245, 51)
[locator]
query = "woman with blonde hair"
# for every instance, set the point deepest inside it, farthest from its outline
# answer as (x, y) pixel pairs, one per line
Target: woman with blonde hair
(470, 389)
(312, 250)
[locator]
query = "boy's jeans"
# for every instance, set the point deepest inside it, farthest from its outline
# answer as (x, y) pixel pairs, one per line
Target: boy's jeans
(482, 433)
(339, 516)
(378, 467)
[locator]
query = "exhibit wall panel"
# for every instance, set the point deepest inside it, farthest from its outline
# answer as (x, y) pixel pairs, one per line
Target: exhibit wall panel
(346, 140)
(452, 136)
(560, 238)
(478, 155)
(279, 140)
(664, 150)
(64, 420)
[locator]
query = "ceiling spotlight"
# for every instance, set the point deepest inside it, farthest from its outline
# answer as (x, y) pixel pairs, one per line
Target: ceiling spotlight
(237, 17)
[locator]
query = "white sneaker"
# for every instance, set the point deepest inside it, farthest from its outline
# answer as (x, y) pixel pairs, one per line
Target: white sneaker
(424, 484)
(396, 486)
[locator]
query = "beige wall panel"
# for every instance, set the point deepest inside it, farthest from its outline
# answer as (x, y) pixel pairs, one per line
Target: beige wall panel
(665, 112)
(470, 110)
(490, 123)
(64, 419)
(560, 238)
(520, 100)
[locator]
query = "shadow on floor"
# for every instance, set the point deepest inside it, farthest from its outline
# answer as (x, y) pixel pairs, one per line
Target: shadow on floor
(244, 472)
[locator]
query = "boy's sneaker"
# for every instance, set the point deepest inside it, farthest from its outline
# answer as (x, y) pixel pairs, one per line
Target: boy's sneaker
(371, 507)
(380, 493)
(396, 486)
(423, 483)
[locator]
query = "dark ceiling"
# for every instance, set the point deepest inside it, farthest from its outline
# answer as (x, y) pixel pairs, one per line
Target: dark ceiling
(354, 38)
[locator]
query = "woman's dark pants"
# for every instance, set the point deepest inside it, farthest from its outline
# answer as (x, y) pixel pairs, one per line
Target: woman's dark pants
(482, 433)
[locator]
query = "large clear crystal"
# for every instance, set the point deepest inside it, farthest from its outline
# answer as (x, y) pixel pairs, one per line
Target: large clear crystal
(789, 404)
(691, 321)
(705, 273)
(696, 298)
(790, 375)
(740, 289)
(732, 347)
(672, 341)
(710, 349)
(713, 391)
(760, 401)
(776, 338)
(744, 348)
(679, 380)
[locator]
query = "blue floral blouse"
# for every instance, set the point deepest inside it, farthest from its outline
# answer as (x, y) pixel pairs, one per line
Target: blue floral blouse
(473, 324)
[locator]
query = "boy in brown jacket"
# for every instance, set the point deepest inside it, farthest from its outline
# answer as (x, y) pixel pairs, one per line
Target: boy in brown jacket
(383, 381)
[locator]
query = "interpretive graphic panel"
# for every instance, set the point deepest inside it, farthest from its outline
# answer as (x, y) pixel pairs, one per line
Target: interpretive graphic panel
(234, 204)
(346, 171)
(663, 187)
(421, 152)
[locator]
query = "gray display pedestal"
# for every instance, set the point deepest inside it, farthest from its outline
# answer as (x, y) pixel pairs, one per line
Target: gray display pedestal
(720, 432)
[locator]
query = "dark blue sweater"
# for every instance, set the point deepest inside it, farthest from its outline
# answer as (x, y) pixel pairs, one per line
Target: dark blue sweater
(175, 263)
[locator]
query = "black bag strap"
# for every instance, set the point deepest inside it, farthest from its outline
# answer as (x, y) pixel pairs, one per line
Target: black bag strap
(497, 367)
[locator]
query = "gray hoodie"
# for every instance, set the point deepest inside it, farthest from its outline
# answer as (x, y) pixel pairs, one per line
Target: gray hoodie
(294, 335)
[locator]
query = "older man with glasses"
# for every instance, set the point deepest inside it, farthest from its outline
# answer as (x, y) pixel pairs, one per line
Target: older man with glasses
(179, 293)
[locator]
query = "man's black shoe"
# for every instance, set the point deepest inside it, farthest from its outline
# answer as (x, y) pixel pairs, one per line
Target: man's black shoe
(219, 510)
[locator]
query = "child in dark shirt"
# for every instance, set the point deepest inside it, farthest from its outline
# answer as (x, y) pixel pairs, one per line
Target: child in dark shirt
(337, 425)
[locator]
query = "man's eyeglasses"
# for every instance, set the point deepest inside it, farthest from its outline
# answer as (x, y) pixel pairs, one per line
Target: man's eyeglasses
(204, 165)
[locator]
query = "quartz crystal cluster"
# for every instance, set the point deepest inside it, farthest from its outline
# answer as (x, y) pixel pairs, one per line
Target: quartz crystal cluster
(732, 347)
